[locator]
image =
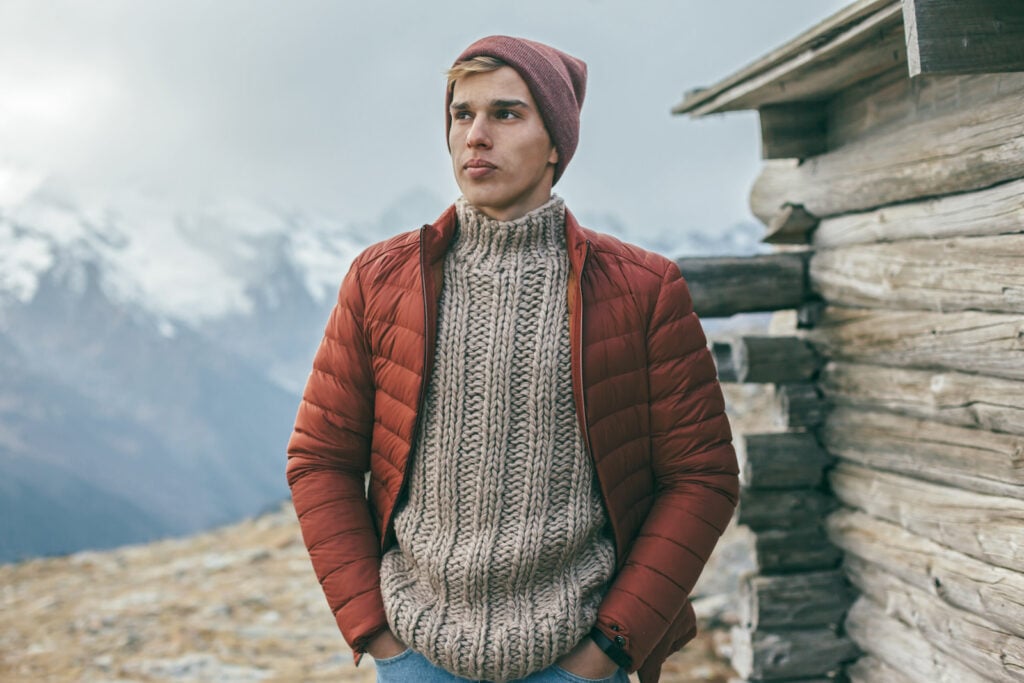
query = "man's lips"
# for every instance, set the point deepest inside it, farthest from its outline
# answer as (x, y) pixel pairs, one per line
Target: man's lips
(478, 168)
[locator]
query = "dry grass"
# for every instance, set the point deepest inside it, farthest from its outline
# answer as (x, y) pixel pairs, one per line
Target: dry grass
(236, 604)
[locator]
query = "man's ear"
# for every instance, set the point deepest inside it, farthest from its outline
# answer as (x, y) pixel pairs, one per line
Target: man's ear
(553, 157)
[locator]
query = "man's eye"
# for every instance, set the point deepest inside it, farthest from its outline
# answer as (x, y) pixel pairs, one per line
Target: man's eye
(506, 114)
(460, 115)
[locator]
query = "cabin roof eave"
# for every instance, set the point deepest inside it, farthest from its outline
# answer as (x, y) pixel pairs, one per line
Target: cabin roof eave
(857, 42)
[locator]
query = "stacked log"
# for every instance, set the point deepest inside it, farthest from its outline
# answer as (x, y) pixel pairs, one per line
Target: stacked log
(918, 260)
(792, 606)
(957, 134)
(906, 368)
(897, 472)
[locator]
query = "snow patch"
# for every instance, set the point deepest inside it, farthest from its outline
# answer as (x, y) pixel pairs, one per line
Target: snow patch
(182, 267)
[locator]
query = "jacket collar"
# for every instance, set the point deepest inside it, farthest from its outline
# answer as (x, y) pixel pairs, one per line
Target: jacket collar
(439, 234)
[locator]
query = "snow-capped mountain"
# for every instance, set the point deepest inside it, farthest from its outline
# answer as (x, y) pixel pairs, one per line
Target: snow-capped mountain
(180, 267)
(150, 363)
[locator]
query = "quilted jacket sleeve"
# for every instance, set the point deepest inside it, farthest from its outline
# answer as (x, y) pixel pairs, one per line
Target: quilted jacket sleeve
(328, 457)
(696, 474)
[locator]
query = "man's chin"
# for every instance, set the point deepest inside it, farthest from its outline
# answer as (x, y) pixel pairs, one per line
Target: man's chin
(481, 199)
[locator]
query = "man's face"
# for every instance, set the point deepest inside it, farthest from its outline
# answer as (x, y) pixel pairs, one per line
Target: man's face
(501, 152)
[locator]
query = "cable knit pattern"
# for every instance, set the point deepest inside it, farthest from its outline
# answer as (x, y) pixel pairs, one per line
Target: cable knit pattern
(502, 556)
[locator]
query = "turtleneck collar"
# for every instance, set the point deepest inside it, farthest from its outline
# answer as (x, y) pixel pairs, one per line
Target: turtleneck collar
(540, 229)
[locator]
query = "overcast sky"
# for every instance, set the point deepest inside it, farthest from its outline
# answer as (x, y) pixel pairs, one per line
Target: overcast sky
(337, 107)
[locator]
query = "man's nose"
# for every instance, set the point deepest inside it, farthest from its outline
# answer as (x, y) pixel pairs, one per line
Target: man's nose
(478, 134)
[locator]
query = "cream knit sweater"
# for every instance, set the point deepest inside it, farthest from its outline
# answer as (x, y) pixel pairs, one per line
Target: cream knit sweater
(502, 556)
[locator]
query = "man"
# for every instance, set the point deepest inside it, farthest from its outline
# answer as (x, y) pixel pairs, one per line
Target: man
(550, 462)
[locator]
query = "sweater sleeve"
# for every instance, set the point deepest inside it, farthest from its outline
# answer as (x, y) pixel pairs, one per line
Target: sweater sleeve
(696, 478)
(328, 458)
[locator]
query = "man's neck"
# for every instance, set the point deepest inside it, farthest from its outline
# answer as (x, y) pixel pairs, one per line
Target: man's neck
(551, 210)
(512, 213)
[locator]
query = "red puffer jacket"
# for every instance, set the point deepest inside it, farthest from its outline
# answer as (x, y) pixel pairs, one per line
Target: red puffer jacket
(647, 397)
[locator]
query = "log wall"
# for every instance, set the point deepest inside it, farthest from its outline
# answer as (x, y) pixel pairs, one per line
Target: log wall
(946, 396)
(918, 264)
(933, 151)
(898, 470)
(792, 606)
(943, 274)
(922, 336)
(996, 210)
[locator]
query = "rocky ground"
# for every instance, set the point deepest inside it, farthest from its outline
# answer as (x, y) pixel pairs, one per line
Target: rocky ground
(235, 604)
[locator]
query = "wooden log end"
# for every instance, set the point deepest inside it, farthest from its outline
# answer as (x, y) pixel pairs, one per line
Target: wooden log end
(799, 405)
(796, 654)
(799, 600)
(774, 359)
(781, 460)
(793, 224)
(782, 551)
(721, 352)
(809, 313)
(786, 509)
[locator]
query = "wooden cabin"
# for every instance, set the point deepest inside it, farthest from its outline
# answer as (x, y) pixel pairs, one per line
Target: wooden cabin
(888, 508)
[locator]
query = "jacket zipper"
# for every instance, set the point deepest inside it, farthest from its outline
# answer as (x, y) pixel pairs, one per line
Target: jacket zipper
(583, 391)
(584, 422)
(423, 390)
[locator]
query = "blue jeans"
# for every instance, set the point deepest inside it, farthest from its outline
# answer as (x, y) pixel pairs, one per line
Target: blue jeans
(412, 667)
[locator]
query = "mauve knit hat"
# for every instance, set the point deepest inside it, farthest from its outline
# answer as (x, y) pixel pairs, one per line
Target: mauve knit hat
(557, 81)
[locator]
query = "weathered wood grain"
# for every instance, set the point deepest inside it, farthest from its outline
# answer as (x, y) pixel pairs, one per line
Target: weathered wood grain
(888, 101)
(949, 274)
(993, 211)
(781, 460)
(793, 129)
(964, 36)
(987, 528)
(791, 225)
(869, 669)
(799, 405)
(800, 549)
(968, 148)
(809, 313)
(721, 351)
(787, 509)
(773, 359)
(873, 104)
(902, 648)
(724, 285)
(794, 654)
(964, 457)
(794, 601)
(972, 639)
(956, 398)
(971, 341)
(766, 359)
(962, 581)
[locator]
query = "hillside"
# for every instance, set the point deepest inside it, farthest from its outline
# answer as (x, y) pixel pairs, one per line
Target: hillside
(236, 604)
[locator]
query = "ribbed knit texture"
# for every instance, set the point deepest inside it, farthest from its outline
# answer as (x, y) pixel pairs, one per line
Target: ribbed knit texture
(502, 556)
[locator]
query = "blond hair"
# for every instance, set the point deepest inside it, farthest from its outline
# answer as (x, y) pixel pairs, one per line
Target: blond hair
(473, 65)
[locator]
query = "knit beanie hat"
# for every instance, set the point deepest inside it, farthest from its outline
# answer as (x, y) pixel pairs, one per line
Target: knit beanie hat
(557, 81)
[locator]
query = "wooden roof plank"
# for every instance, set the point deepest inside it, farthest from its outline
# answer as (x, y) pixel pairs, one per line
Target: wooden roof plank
(822, 32)
(817, 69)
